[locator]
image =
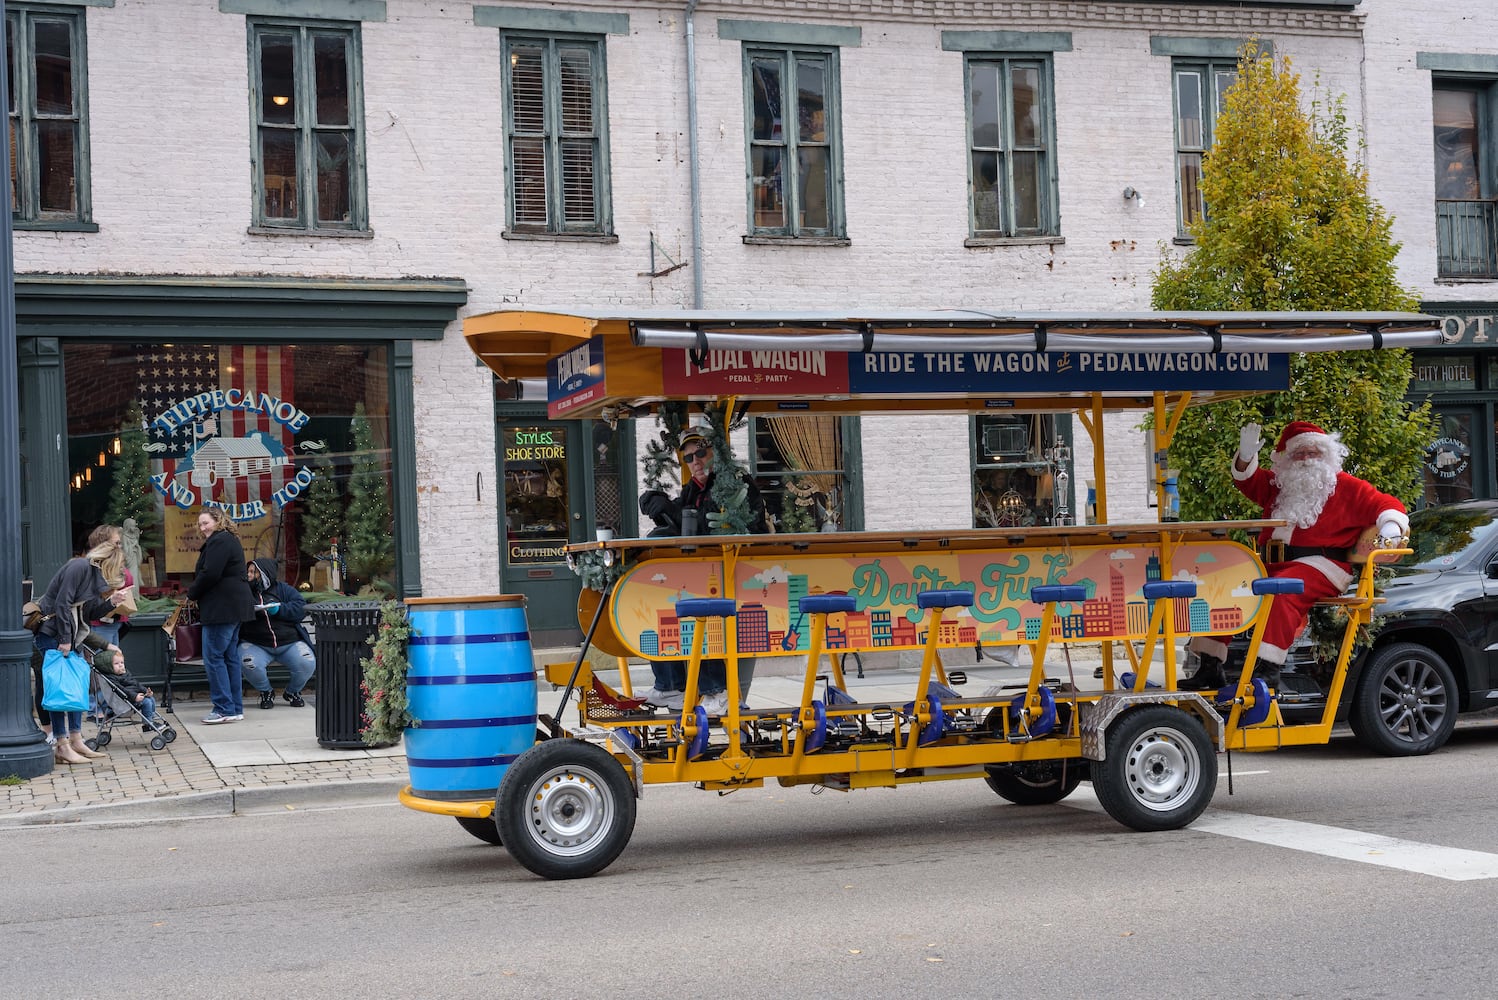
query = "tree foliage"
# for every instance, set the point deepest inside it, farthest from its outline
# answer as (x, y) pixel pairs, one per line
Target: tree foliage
(1290, 226)
(131, 494)
(368, 543)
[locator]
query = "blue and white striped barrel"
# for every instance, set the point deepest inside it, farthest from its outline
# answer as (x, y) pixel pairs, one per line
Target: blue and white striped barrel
(472, 685)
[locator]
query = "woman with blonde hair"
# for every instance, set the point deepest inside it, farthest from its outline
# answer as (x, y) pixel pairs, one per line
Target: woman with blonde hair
(85, 588)
(224, 600)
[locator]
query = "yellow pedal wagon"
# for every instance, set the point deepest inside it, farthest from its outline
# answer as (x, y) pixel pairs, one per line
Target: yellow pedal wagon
(559, 789)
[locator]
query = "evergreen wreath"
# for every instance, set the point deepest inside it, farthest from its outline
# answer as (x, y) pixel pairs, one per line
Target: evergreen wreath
(387, 711)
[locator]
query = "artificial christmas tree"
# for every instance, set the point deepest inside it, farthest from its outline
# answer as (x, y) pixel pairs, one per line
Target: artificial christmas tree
(368, 540)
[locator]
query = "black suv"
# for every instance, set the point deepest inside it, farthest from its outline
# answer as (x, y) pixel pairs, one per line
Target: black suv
(1435, 648)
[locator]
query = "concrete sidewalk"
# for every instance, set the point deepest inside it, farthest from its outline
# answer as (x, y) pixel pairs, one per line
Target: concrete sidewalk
(272, 758)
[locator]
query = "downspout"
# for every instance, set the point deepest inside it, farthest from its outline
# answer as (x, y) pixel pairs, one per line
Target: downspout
(693, 166)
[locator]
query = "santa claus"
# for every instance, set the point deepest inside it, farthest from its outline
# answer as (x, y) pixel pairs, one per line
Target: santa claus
(1324, 510)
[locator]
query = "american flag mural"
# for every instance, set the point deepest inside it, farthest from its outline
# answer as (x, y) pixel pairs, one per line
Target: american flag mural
(218, 423)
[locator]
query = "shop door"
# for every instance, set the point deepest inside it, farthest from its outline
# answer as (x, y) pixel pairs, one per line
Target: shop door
(543, 468)
(1452, 464)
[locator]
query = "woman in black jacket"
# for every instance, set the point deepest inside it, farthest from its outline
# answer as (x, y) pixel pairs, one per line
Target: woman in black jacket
(224, 600)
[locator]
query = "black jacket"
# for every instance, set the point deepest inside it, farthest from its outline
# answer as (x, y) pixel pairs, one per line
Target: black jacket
(220, 588)
(666, 512)
(284, 625)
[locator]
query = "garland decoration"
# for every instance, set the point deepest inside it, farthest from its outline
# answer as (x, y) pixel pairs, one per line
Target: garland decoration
(387, 712)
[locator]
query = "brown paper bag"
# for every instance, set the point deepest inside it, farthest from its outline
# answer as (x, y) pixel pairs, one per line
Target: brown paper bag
(125, 607)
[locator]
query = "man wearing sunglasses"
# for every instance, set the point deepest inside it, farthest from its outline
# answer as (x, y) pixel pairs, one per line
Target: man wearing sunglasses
(690, 514)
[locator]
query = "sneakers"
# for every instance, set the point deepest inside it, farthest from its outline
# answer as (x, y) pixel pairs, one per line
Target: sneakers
(214, 719)
(665, 699)
(267, 699)
(294, 699)
(716, 704)
(234, 718)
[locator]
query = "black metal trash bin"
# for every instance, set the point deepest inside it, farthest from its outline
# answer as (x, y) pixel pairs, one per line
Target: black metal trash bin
(343, 631)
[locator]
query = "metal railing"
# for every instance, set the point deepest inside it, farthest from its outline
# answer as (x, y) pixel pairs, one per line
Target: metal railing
(1467, 238)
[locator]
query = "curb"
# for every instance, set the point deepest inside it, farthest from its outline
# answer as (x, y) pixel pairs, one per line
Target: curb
(224, 802)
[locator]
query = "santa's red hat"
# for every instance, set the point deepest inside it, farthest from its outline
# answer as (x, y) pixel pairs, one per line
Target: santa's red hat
(1303, 432)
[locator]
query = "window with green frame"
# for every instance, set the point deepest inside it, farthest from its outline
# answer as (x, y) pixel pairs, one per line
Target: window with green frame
(308, 111)
(48, 116)
(556, 135)
(1011, 163)
(1199, 88)
(799, 463)
(794, 144)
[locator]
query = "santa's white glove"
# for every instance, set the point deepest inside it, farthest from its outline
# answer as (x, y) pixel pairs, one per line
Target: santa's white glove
(1249, 442)
(1390, 533)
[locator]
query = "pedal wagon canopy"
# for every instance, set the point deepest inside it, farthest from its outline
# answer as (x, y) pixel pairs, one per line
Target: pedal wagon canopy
(954, 360)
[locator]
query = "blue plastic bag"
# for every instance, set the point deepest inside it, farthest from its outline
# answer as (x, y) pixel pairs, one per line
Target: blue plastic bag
(64, 682)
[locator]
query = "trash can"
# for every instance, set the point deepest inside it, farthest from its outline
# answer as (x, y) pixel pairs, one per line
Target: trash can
(343, 633)
(144, 646)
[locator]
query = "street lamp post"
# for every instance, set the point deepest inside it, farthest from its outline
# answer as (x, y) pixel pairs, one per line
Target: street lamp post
(23, 748)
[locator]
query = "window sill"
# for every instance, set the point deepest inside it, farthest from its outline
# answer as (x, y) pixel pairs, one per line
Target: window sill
(1469, 279)
(797, 241)
(337, 234)
(510, 234)
(59, 226)
(1183, 241)
(1014, 241)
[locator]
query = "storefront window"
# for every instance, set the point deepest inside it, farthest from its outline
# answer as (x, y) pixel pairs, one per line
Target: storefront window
(797, 465)
(1447, 465)
(294, 440)
(536, 493)
(1014, 478)
(1442, 372)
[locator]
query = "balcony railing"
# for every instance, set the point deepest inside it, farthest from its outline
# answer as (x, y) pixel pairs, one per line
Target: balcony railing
(1467, 238)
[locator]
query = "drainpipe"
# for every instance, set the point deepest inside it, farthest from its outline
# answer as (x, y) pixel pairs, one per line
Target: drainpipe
(692, 157)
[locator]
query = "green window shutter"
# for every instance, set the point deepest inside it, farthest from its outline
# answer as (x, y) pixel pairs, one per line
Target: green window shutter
(793, 141)
(308, 117)
(556, 135)
(1011, 146)
(48, 118)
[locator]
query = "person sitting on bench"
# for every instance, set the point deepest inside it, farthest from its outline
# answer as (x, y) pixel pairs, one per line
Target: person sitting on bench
(275, 635)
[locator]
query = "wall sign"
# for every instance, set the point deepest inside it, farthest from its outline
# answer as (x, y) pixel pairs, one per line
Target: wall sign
(1447, 458)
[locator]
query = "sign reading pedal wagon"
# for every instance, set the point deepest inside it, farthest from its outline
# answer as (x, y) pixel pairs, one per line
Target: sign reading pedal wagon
(472, 683)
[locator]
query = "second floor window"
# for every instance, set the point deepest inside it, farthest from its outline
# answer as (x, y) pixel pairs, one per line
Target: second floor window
(48, 157)
(1466, 222)
(556, 136)
(309, 162)
(1012, 171)
(1199, 89)
(795, 168)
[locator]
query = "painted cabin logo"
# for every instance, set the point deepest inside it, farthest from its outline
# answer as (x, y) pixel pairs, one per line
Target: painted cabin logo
(241, 473)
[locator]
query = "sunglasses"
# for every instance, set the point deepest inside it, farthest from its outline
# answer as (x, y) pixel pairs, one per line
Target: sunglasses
(692, 456)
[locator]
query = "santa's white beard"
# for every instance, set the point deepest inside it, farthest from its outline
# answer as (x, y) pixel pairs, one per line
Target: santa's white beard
(1304, 489)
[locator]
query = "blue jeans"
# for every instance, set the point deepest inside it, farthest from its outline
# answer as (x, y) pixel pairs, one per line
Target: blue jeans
(225, 678)
(713, 678)
(295, 656)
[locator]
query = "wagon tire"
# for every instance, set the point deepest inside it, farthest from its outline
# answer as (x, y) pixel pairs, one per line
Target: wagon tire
(565, 809)
(482, 827)
(1035, 783)
(1406, 701)
(1159, 770)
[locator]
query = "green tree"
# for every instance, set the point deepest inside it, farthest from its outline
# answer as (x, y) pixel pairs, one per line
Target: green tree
(130, 492)
(1290, 226)
(322, 510)
(368, 542)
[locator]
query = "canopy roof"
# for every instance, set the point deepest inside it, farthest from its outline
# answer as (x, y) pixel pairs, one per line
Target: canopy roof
(966, 359)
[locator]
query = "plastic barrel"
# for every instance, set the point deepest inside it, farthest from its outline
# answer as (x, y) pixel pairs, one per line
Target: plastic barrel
(472, 685)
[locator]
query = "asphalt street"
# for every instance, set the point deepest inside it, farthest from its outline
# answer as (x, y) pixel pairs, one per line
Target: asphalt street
(940, 889)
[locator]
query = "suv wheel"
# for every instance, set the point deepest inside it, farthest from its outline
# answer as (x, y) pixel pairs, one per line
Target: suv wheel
(1406, 701)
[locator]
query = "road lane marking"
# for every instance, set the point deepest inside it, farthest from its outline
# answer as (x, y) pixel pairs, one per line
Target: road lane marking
(1451, 863)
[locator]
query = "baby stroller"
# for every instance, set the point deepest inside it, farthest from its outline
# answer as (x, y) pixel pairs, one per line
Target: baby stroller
(115, 702)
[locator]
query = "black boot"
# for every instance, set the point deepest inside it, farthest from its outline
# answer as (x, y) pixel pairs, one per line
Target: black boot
(1269, 673)
(1208, 676)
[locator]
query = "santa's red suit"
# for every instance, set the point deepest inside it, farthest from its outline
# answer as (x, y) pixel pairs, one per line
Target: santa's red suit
(1317, 553)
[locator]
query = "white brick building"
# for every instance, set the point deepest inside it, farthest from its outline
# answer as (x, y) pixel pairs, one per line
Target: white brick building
(179, 223)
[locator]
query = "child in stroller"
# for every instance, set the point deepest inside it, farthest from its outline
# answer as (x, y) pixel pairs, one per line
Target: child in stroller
(121, 695)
